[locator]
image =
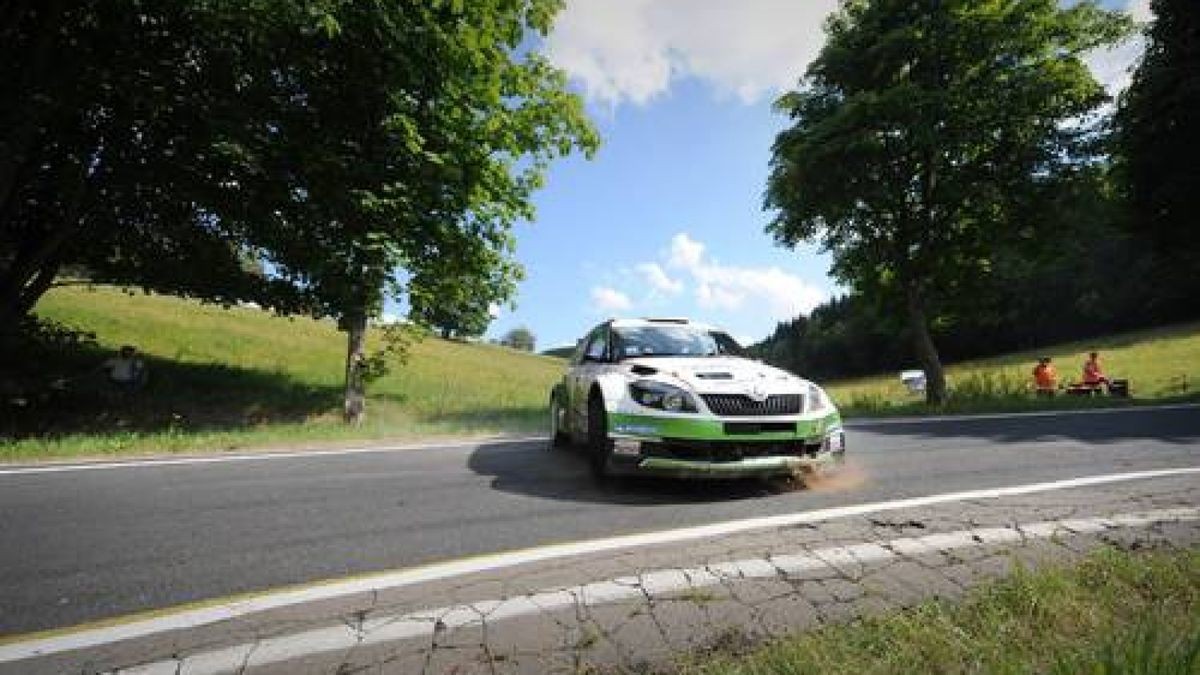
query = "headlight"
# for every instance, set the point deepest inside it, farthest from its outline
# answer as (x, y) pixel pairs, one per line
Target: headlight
(661, 396)
(817, 400)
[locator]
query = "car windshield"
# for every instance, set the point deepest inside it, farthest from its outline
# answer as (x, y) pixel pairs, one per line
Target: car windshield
(631, 342)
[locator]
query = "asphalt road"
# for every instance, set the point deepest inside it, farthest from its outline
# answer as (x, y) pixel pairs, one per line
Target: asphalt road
(77, 546)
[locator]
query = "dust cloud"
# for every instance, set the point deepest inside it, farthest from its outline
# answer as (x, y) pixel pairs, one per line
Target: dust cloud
(849, 476)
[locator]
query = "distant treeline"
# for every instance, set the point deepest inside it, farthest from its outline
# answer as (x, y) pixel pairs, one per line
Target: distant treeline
(1098, 274)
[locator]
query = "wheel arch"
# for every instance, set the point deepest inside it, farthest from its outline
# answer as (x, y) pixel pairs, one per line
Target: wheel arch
(611, 387)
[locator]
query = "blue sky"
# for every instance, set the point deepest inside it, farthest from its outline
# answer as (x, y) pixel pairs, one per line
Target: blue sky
(667, 219)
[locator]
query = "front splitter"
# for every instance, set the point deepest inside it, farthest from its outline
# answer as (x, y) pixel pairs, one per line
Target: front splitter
(743, 468)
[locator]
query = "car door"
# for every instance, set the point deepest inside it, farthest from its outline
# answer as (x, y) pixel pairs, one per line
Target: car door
(594, 358)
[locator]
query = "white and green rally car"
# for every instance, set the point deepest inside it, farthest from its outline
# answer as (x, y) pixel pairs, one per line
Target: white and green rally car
(674, 397)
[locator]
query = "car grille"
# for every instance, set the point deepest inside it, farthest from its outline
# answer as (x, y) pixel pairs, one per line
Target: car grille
(735, 405)
(725, 451)
(742, 428)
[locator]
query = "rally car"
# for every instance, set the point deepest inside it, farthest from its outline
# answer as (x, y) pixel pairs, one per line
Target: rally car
(676, 397)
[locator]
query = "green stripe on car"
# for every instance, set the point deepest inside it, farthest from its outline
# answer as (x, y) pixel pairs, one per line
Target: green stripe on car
(648, 426)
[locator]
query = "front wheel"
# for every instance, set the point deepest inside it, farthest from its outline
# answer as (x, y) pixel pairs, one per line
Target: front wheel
(558, 417)
(599, 444)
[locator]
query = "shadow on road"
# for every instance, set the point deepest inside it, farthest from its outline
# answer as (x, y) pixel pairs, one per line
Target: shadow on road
(1177, 425)
(563, 474)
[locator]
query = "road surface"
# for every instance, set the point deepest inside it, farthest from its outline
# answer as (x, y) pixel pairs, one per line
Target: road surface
(84, 545)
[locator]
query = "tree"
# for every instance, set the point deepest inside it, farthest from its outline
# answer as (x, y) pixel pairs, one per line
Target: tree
(519, 338)
(449, 307)
(409, 135)
(456, 295)
(333, 143)
(920, 135)
(111, 127)
(1158, 139)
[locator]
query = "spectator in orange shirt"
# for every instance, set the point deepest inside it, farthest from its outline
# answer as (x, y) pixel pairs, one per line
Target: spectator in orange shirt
(1093, 374)
(1045, 377)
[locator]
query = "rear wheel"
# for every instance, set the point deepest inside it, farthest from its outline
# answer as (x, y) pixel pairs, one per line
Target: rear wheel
(599, 444)
(558, 417)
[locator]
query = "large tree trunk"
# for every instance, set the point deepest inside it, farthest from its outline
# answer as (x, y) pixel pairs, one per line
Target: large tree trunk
(356, 394)
(926, 351)
(37, 260)
(28, 277)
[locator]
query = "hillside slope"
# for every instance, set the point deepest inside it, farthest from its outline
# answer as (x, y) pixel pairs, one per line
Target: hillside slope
(1161, 364)
(239, 376)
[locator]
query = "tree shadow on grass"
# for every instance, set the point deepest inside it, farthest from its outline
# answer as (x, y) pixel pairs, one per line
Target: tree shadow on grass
(56, 391)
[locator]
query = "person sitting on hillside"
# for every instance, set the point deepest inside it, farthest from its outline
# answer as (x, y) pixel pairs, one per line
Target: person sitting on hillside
(1045, 377)
(126, 370)
(1093, 374)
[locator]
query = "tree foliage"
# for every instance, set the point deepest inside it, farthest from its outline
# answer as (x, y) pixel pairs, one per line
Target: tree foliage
(1157, 143)
(330, 143)
(1085, 276)
(456, 295)
(923, 136)
(110, 116)
(520, 338)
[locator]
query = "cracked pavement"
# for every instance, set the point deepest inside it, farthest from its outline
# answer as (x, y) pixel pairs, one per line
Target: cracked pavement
(636, 609)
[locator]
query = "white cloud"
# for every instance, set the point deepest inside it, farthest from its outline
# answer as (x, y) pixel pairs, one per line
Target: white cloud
(658, 280)
(685, 252)
(1113, 67)
(606, 299)
(734, 288)
(494, 310)
(631, 50)
(1140, 10)
(744, 340)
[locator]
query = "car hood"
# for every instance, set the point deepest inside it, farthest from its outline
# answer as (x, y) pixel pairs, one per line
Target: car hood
(719, 373)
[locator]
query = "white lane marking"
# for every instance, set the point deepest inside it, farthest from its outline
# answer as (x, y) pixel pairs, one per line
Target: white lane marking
(655, 584)
(259, 456)
(184, 619)
(855, 422)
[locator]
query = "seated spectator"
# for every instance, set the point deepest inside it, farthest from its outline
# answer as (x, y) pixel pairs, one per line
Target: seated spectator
(1093, 374)
(1045, 377)
(126, 370)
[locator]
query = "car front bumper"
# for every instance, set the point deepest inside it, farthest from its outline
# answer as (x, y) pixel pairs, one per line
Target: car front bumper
(815, 445)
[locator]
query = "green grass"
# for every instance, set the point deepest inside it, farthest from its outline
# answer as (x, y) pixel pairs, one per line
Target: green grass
(1116, 613)
(224, 379)
(1162, 365)
(242, 377)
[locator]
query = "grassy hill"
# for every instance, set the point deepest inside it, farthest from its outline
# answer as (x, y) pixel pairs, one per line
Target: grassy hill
(242, 376)
(1161, 364)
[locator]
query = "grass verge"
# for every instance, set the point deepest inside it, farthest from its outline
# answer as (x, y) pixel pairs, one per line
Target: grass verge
(1116, 612)
(1162, 365)
(230, 379)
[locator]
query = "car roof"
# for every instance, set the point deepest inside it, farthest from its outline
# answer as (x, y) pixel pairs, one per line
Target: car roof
(662, 321)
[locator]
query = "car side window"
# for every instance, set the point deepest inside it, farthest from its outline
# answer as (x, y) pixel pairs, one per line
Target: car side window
(597, 349)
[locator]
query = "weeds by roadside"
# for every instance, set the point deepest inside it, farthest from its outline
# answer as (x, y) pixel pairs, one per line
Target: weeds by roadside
(1116, 613)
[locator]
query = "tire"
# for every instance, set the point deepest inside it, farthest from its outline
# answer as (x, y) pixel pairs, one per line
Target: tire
(599, 444)
(558, 437)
